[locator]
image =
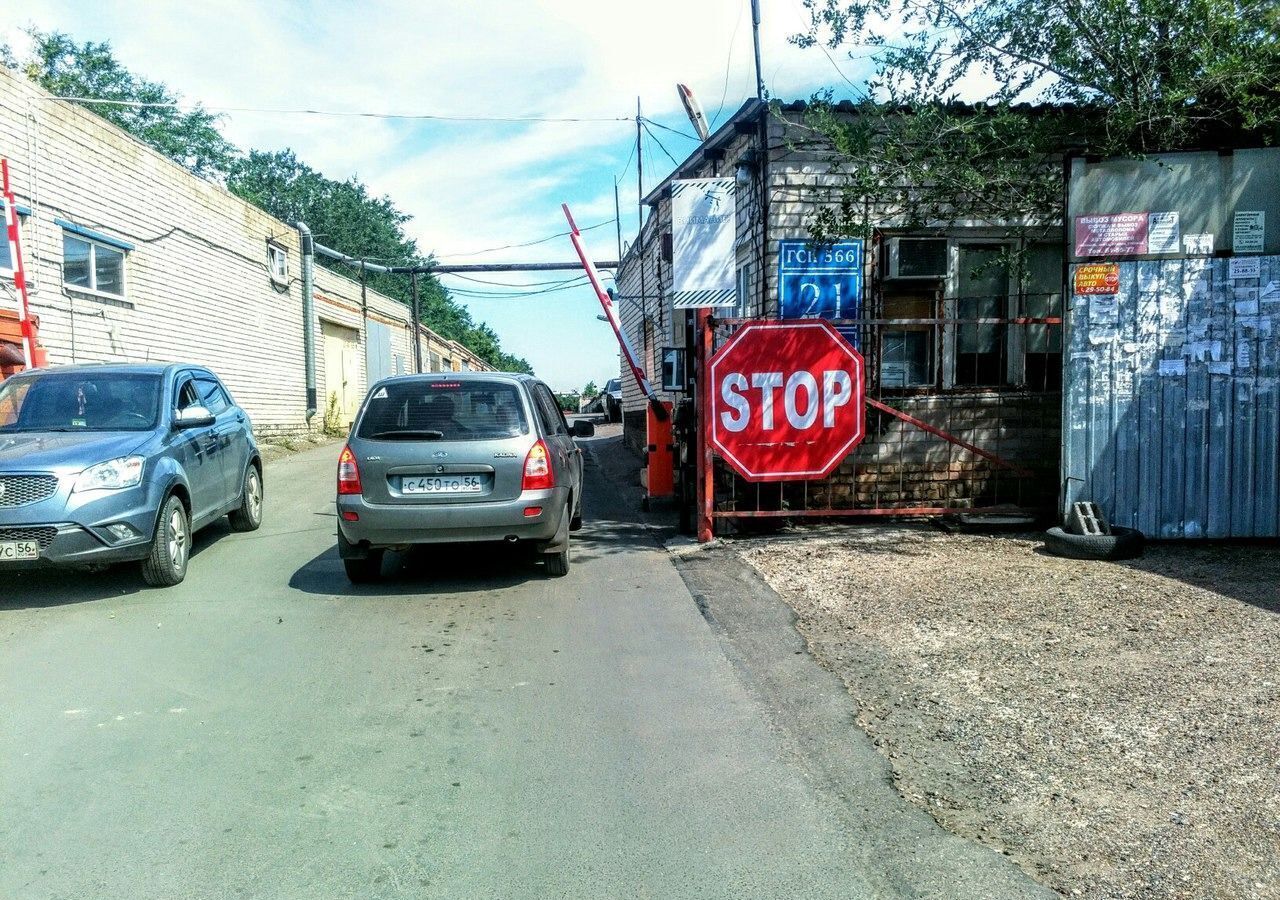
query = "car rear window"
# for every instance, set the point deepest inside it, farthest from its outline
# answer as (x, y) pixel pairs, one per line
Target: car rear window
(443, 410)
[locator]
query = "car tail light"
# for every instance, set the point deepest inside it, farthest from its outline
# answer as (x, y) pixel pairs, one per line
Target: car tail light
(538, 475)
(348, 473)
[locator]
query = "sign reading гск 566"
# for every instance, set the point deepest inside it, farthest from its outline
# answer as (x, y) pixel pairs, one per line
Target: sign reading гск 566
(787, 400)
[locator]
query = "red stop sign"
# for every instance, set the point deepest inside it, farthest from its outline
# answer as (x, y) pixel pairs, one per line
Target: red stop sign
(787, 400)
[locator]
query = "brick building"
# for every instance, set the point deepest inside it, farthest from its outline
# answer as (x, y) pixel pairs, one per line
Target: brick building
(943, 327)
(131, 258)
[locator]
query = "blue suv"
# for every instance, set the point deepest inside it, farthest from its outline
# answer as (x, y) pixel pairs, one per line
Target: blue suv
(103, 464)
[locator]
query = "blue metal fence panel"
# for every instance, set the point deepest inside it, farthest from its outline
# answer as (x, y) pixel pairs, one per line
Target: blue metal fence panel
(1172, 399)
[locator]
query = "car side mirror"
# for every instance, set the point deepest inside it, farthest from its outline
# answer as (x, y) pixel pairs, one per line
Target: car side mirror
(584, 429)
(193, 417)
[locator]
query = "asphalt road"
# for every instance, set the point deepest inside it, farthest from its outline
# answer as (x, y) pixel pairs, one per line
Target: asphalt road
(469, 728)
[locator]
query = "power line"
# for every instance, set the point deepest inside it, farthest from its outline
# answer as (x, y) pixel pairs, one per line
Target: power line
(431, 117)
(509, 284)
(514, 295)
(544, 240)
(683, 134)
(654, 138)
(728, 64)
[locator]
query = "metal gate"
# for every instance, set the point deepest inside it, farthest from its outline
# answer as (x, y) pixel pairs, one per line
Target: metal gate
(926, 454)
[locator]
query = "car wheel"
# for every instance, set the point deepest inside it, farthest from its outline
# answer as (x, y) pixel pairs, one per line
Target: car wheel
(558, 560)
(364, 571)
(248, 516)
(170, 548)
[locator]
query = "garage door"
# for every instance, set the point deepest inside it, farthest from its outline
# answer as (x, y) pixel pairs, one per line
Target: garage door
(342, 385)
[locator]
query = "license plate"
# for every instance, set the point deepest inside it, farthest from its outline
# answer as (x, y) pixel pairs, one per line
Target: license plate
(442, 484)
(15, 550)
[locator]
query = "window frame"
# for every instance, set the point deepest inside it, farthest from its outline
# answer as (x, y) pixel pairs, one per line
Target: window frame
(1013, 339)
(1010, 338)
(547, 405)
(9, 270)
(276, 252)
(93, 246)
(200, 378)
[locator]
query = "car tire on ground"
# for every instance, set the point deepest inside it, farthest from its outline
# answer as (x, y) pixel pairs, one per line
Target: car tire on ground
(364, 571)
(170, 547)
(1122, 543)
(248, 516)
(558, 561)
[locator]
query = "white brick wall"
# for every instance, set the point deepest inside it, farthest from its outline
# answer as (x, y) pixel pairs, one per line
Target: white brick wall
(197, 284)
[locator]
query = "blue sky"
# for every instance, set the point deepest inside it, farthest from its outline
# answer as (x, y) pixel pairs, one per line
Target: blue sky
(469, 186)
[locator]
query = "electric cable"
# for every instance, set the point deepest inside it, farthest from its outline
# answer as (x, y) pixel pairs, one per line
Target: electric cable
(544, 240)
(683, 134)
(728, 64)
(506, 283)
(431, 117)
(654, 138)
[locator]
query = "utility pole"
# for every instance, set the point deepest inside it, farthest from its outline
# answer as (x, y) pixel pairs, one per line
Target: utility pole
(417, 324)
(617, 217)
(644, 306)
(755, 37)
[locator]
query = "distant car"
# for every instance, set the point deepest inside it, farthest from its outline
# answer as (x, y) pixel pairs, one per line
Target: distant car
(613, 400)
(459, 457)
(116, 463)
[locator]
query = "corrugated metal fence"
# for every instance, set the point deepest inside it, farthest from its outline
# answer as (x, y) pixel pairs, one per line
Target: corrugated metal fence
(1172, 399)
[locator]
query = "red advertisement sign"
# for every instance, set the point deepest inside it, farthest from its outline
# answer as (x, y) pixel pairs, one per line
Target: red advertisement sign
(1120, 234)
(1097, 278)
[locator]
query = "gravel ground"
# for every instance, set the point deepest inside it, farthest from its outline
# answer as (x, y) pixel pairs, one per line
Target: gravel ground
(1114, 727)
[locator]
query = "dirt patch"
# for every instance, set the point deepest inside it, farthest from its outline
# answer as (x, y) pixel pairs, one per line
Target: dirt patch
(277, 447)
(1115, 727)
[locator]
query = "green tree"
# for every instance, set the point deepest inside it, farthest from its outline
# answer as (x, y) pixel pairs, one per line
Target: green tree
(345, 216)
(591, 390)
(1115, 77)
(67, 69)
(341, 214)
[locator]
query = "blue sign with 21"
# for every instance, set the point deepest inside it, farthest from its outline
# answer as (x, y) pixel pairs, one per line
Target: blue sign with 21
(819, 280)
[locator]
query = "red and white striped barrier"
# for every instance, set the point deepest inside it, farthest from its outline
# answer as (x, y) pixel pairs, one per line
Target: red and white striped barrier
(19, 274)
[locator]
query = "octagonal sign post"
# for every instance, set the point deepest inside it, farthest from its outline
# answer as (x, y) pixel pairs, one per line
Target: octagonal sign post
(788, 400)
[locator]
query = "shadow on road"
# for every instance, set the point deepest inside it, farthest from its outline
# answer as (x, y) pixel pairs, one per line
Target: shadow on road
(463, 568)
(38, 588)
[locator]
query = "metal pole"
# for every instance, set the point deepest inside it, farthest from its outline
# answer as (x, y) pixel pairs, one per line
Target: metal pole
(617, 218)
(417, 326)
(706, 462)
(308, 318)
(644, 306)
(755, 37)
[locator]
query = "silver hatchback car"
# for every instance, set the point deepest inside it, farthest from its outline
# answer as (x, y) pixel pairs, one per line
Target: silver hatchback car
(459, 457)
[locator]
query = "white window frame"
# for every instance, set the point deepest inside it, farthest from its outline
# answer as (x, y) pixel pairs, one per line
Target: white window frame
(93, 268)
(1012, 337)
(276, 253)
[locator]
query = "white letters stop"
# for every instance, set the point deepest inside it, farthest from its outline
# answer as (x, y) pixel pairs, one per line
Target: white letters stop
(801, 398)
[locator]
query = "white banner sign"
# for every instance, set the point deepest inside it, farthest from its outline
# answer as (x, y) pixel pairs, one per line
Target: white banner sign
(702, 232)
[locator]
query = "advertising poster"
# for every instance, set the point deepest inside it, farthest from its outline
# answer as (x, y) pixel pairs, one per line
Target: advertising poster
(1248, 231)
(702, 232)
(1163, 232)
(1120, 234)
(1097, 278)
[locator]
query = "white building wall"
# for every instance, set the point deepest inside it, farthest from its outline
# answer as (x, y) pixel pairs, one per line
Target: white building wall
(197, 284)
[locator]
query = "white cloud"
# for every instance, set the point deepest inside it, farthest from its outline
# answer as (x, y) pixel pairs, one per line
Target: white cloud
(468, 186)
